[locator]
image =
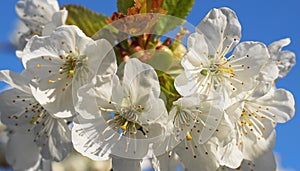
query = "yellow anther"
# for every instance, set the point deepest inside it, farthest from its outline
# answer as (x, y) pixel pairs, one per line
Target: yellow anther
(124, 127)
(248, 120)
(51, 81)
(230, 71)
(38, 65)
(71, 72)
(34, 119)
(188, 136)
(58, 78)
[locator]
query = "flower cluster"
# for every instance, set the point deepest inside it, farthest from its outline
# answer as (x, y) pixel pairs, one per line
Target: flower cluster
(74, 93)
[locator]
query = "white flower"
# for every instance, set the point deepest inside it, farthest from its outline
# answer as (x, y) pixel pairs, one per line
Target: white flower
(206, 65)
(121, 119)
(207, 156)
(204, 135)
(39, 18)
(20, 110)
(285, 59)
(23, 155)
(255, 119)
(61, 63)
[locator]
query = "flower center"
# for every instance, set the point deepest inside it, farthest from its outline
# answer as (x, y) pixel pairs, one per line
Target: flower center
(217, 68)
(124, 118)
(72, 64)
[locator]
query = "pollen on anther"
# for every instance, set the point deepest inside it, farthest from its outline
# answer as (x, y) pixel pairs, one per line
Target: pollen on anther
(38, 65)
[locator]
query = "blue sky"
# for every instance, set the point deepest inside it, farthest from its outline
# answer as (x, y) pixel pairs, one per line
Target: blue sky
(265, 21)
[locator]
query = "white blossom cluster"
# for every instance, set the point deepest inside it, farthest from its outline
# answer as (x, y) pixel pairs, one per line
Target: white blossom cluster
(70, 95)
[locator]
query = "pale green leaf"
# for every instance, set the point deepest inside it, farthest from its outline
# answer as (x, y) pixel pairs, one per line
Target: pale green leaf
(88, 21)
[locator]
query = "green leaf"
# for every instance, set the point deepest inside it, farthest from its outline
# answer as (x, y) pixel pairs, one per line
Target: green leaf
(178, 8)
(88, 21)
(123, 5)
(168, 89)
(161, 60)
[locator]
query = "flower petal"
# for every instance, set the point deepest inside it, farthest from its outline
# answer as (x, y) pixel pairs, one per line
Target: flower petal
(13, 108)
(35, 13)
(19, 147)
(247, 61)
(140, 80)
(101, 61)
(58, 145)
(221, 29)
(58, 103)
(58, 18)
(15, 80)
(285, 59)
(123, 164)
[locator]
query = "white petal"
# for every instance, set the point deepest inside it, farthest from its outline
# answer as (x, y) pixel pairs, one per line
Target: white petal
(19, 147)
(205, 160)
(35, 14)
(185, 86)
(123, 164)
(231, 155)
(265, 79)
(198, 51)
(15, 80)
(57, 102)
(265, 162)
(166, 162)
(154, 112)
(20, 36)
(58, 145)
(248, 60)
(140, 80)
(285, 59)
(13, 108)
(59, 18)
(281, 104)
(221, 28)
(101, 60)
(97, 140)
(85, 139)
(254, 148)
